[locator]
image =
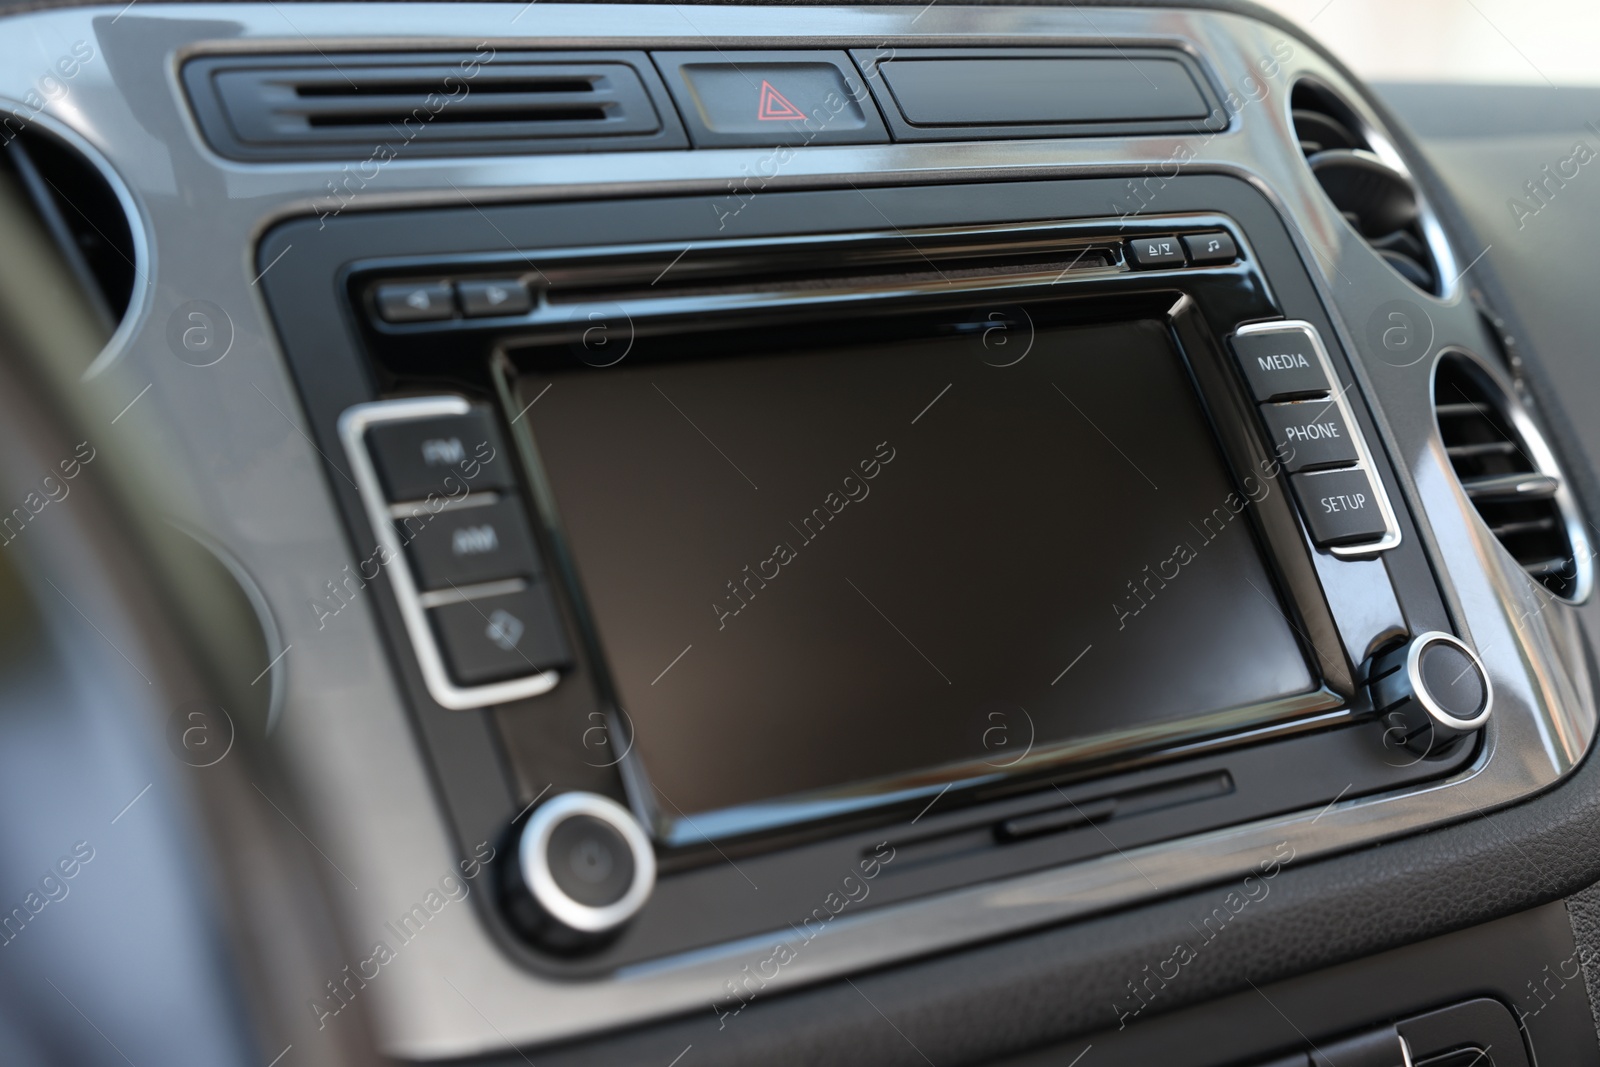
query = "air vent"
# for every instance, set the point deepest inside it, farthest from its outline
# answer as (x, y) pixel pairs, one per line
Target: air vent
(1376, 199)
(386, 106)
(82, 214)
(1510, 474)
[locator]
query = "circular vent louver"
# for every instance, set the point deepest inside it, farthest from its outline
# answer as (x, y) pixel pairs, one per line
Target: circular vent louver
(1510, 474)
(1377, 200)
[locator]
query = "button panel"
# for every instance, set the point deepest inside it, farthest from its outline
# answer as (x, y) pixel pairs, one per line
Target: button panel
(426, 302)
(468, 302)
(1315, 437)
(438, 488)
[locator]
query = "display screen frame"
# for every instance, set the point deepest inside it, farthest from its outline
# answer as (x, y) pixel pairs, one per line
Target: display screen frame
(1196, 339)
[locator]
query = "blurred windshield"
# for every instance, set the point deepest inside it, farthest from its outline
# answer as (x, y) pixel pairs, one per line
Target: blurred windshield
(1515, 42)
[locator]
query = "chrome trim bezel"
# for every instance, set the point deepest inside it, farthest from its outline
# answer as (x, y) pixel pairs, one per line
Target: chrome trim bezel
(1538, 451)
(534, 863)
(1336, 397)
(1382, 148)
(1424, 696)
(353, 426)
(141, 295)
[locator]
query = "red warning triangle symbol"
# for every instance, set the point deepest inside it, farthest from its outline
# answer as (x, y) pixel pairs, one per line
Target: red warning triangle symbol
(775, 107)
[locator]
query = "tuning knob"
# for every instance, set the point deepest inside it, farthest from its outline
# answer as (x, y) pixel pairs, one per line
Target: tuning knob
(588, 867)
(1430, 692)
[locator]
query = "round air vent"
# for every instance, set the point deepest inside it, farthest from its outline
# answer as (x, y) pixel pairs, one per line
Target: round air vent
(1511, 476)
(82, 214)
(1378, 200)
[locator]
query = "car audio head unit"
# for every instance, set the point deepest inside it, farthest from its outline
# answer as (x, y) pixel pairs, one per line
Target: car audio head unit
(914, 555)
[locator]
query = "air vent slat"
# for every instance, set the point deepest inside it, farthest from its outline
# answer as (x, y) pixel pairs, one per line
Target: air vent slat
(1510, 476)
(376, 103)
(1481, 449)
(412, 88)
(1504, 530)
(1505, 487)
(382, 106)
(488, 117)
(1556, 567)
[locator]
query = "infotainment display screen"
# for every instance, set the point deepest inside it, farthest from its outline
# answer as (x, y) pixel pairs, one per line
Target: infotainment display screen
(879, 567)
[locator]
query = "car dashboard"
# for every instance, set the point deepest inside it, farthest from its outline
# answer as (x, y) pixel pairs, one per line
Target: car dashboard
(794, 534)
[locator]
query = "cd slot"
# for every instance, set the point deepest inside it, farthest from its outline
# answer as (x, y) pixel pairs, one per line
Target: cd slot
(878, 263)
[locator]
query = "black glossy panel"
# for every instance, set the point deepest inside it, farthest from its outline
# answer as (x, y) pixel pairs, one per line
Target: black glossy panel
(962, 94)
(869, 557)
(974, 91)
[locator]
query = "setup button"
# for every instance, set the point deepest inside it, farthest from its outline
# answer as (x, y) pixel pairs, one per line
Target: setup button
(1340, 507)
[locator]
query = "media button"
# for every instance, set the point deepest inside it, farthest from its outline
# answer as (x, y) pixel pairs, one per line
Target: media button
(1340, 507)
(1309, 435)
(1280, 362)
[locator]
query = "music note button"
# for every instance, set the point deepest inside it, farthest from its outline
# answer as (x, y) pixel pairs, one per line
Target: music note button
(1209, 249)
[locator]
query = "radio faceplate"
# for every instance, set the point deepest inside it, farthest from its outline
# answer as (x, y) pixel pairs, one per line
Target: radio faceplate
(1039, 253)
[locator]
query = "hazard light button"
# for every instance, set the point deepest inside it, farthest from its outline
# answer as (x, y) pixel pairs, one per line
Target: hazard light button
(737, 99)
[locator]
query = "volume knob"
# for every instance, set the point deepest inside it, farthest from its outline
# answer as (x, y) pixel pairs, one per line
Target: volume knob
(1430, 692)
(588, 866)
